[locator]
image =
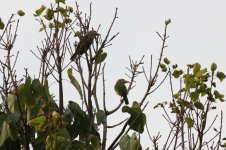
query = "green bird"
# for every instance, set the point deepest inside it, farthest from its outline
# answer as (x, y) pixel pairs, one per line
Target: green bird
(85, 43)
(121, 90)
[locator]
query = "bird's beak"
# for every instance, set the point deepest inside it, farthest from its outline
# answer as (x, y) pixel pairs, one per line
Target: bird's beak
(126, 81)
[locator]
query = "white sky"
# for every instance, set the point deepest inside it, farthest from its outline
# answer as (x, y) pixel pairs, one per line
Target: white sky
(197, 34)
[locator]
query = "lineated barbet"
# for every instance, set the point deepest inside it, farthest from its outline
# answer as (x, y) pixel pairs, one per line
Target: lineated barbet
(121, 90)
(84, 44)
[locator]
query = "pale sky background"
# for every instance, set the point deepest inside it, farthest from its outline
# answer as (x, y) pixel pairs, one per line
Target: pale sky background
(197, 34)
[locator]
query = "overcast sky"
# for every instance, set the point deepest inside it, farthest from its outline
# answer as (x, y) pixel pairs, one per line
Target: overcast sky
(197, 34)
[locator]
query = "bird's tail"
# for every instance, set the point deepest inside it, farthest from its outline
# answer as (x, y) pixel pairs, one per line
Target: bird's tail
(125, 99)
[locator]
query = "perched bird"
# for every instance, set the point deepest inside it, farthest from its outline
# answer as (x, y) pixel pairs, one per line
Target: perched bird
(84, 44)
(121, 90)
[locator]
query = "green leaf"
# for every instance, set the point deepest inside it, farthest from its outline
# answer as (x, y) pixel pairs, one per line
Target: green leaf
(200, 73)
(220, 76)
(166, 60)
(196, 68)
(167, 22)
(20, 13)
(77, 34)
(218, 95)
(175, 110)
(137, 118)
(177, 73)
(82, 122)
(74, 82)
(40, 11)
(36, 121)
(49, 14)
(199, 105)
(213, 67)
(63, 11)
(100, 58)
(177, 95)
(70, 9)
(94, 141)
(75, 109)
(2, 25)
(60, 1)
(67, 20)
(175, 66)
(101, 117)
(129, 143)
(163, 67)
(190, 122)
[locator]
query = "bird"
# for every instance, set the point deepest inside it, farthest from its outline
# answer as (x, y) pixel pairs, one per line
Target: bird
(84, 44)
(121, 89)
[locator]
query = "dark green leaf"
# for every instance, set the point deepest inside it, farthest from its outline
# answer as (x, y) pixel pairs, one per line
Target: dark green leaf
(220, 76)
(177, 95)
(190, 122)
(167, 22)
(101, 117)
(95, 142)
(60, 1)
(137, 118)
(218, 95)
(166, 60)
(175, 66)
(40, 11)
(199, 105)
(75, 109)
(100, 58)
(70, 9)
(177, 73)
(194, 96)
(175, 110)
(213, 67)
(20, 13)
(162, 66)
(12, 133)
(49, 14)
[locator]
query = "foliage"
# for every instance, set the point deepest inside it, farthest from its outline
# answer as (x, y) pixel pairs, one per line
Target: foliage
(30, 116)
